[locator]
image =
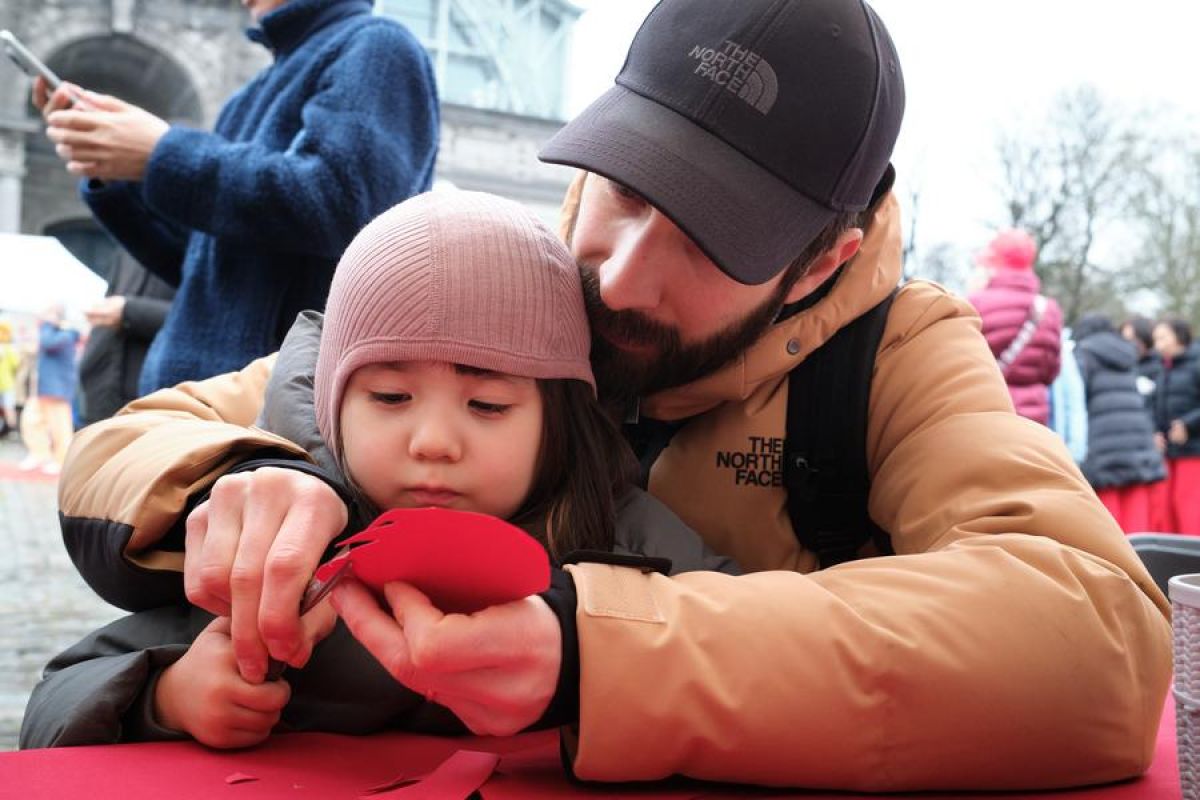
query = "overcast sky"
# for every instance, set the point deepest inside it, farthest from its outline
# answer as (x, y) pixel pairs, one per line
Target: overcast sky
(971, 67)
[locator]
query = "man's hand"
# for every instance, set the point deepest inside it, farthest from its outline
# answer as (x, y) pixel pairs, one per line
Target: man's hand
(203, 695)
(108, 312)
(110, 139)
(250, 552)
(1177, 433)
(1160, 441)
(496, 669)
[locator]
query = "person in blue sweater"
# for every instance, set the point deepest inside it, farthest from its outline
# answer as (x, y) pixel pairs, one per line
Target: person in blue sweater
(248, 221)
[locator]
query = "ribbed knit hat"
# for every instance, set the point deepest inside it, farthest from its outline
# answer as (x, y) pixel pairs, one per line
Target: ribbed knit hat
(461, 277)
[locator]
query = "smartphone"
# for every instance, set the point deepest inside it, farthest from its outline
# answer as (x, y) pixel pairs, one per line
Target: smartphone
(30, 64)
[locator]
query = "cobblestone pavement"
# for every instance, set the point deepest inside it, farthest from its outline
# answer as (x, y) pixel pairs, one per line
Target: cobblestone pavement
(44, 605)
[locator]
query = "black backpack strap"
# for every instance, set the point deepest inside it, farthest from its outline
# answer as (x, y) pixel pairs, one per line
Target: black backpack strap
(825, 454)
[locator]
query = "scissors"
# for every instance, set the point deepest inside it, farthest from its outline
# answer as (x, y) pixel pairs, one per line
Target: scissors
(315, 592)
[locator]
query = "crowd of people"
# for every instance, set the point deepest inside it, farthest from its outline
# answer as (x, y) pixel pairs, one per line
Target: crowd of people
(1126, 400)
(867, 574)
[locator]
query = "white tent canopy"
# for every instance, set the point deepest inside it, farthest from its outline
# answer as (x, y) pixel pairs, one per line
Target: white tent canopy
(37, 272)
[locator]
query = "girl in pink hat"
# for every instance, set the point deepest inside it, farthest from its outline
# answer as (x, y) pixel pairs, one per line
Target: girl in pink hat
(450, 369)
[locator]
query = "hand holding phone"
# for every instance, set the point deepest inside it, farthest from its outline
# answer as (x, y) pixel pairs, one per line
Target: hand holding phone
(30, 64)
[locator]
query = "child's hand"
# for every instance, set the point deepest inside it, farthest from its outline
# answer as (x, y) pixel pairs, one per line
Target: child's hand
(203, 695)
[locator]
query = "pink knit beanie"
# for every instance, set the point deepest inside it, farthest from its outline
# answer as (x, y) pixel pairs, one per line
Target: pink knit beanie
(461, 277)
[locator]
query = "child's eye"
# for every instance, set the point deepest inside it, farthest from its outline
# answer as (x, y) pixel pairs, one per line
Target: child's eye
(391, 398)
(489, 409)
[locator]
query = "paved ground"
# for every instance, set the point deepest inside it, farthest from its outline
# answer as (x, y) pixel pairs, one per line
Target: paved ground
(44, 605)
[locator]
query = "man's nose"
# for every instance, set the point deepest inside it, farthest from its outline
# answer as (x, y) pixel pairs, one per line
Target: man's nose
(641, 260)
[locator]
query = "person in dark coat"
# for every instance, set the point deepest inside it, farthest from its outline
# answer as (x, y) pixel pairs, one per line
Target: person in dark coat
(123, 325)
(1123, 463)
(1139, 331)
(1177, 414)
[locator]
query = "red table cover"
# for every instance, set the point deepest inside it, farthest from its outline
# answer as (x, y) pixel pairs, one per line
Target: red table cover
(397, 766)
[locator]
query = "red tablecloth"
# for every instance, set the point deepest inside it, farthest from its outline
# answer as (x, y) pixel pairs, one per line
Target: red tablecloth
(314, 765)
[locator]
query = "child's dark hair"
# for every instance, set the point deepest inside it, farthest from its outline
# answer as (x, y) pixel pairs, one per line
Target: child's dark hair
(583, 465)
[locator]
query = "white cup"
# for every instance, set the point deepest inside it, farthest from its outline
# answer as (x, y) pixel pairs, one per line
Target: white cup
(1184, 591)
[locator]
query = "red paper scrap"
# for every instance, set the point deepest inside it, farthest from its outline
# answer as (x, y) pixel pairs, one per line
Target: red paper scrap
(456, 778)
(399, 782)
(463, 561)
(239, 777)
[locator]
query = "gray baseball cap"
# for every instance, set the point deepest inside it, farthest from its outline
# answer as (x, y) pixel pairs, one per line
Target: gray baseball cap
(749, 123)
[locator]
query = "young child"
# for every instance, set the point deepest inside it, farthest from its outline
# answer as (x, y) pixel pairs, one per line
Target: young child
(450, 369)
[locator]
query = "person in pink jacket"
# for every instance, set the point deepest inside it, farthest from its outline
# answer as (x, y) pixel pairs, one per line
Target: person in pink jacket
(1023, 327)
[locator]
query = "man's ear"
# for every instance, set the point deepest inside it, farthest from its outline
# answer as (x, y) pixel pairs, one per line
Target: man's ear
(826, 264)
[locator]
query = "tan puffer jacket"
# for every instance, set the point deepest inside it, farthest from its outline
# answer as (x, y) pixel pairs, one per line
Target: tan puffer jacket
(1014, 641)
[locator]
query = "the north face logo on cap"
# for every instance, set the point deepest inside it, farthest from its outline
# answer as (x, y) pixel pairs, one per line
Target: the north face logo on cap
(739, 70)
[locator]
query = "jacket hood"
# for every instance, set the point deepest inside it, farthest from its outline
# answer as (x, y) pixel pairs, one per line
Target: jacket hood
(288, 405)
(864, 281)
(1111, 350)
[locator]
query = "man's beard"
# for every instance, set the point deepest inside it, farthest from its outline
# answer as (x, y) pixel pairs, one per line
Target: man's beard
(622, 377)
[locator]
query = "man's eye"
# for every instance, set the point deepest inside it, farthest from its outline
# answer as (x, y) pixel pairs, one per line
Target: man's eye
(489, 409)
(625, 192)
(391, 398)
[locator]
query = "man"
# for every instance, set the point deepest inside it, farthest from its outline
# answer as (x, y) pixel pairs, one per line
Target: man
(249, 221)
(1014, 641)
(124, 324)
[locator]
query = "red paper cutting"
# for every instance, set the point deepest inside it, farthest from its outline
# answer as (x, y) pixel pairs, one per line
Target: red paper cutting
(461, 560)
(398, 782)
(454, 779)
(239, 777)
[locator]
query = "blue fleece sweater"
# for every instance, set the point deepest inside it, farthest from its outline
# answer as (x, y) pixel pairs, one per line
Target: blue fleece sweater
(249, 221)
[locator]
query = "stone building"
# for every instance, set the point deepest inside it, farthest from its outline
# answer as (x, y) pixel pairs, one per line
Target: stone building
(500, 67)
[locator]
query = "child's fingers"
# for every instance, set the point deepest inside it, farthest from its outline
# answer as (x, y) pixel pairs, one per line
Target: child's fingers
(268, 697)
(235, 739)
(237, 727)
